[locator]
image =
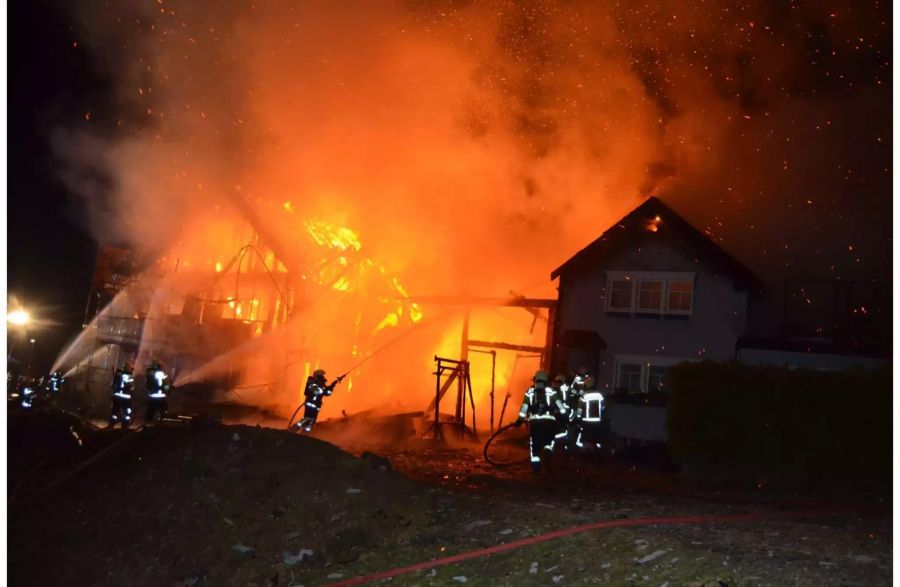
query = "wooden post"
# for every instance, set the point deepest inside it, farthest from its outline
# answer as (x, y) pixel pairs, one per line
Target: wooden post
(464, 348)
(503, 410)
(471, 400)
(463, 358)
(493, 372)
(547, 357)
(437, 398)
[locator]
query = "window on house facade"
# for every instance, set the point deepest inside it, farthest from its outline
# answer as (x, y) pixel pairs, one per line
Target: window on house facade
(629, 376)
(650, 292)
(642, 374)
(681, 297)
(650, 295)
(656, 377)
(620, 295)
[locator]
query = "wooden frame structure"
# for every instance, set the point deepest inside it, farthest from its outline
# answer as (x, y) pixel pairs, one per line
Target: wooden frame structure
(457, 372)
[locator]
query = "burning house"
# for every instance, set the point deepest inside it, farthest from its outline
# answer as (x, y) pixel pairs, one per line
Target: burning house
(225, 311)
(250, 325)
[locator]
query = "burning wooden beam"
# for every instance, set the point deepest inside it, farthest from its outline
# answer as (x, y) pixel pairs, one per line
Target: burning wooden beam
(507, 346)
(519, 302)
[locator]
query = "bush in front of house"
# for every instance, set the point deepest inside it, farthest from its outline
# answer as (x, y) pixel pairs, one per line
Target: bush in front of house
(775, 421)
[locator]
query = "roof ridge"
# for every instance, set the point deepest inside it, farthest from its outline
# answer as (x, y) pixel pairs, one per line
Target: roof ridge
(657, 207)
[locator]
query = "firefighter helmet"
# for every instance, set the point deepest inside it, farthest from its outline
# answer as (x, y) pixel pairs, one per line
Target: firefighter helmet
(319, 375)
(560, 379)
(541, 376)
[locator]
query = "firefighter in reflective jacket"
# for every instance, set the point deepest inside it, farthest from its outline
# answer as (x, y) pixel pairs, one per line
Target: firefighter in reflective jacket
(54, 383)
(157, 392)
(122, 388)
(28, 395)
(539, 407)
(316, 390)
(561, 393)
(576, 408)
(592, 416)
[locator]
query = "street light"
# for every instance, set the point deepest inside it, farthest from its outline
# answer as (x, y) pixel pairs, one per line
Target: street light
(18, 317)
(17, 320)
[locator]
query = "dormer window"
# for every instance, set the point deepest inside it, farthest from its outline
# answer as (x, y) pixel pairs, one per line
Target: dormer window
(650, 293)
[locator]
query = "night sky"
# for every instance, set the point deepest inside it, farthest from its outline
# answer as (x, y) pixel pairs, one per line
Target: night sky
(50, 252)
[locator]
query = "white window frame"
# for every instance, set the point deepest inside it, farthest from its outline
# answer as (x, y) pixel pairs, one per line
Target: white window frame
(649, 367)
(635, 277)
(618, 376)
(645, 361)
(663, 291)
(670, 311)
(609, 295)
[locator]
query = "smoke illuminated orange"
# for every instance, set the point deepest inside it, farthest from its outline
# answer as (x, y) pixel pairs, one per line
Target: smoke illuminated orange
(310, 169)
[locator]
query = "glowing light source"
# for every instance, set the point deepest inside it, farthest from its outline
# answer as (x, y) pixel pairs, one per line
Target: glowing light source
(18, 317)
(332, 236)
(389, 321)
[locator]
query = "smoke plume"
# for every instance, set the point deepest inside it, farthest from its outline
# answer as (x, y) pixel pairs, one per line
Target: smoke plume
(474, 146)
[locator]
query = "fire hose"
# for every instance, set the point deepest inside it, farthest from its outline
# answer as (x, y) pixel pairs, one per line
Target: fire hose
(294, 415)
(487, 445)
(619, 523)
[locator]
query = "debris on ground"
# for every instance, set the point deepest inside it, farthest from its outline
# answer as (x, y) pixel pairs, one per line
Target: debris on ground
(193, 506)
(651, 557)
(293, 559)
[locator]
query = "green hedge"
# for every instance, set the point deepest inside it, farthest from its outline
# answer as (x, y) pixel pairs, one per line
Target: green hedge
(773, 420)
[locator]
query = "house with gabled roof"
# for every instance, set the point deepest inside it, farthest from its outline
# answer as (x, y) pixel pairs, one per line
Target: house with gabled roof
(653, 291)
(650, 292)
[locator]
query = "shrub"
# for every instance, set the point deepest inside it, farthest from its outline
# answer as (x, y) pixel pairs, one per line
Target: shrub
(774, 420)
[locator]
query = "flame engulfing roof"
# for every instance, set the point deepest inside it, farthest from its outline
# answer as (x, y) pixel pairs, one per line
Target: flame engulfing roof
(654, 219)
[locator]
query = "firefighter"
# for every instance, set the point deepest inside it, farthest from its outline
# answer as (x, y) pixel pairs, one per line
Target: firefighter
(54, 383)
(28, 395)
(591, 408)
(157, 392)
(539, 407)
(576, 409)
(122, 388)
(315, 392)
(561, 393)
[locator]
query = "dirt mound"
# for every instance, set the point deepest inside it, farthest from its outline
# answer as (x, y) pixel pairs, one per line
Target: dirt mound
(205, 504)
(216, 504)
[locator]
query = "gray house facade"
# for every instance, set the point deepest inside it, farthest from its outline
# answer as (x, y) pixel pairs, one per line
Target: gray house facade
(651, 292)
